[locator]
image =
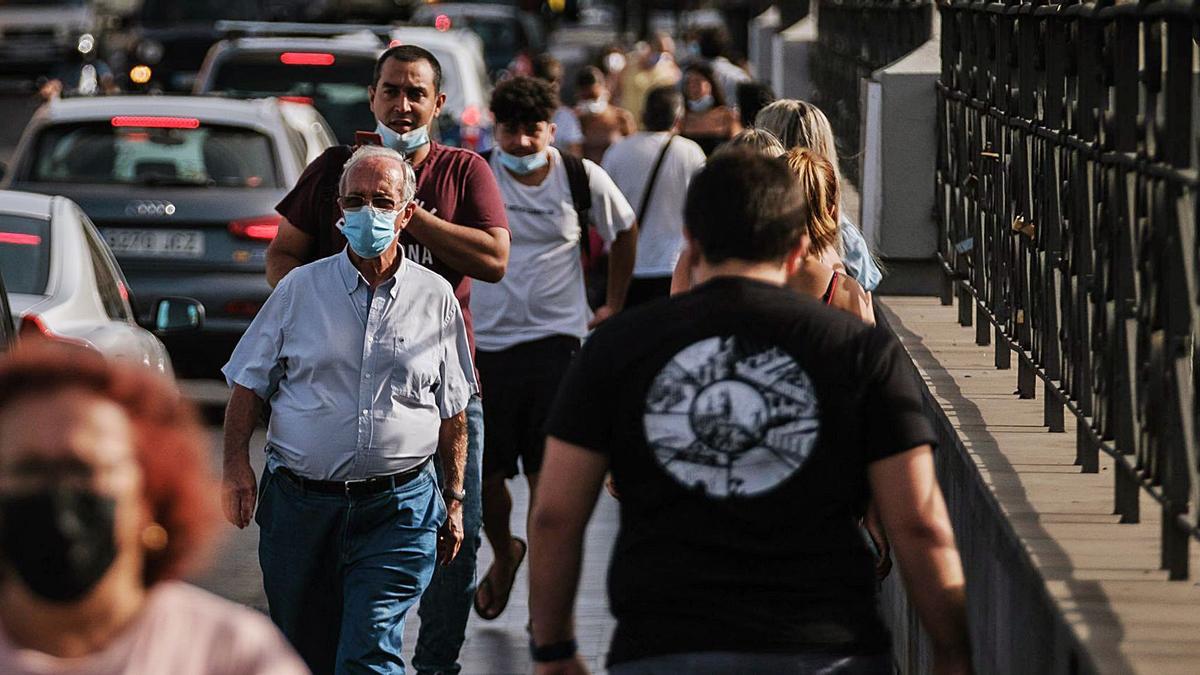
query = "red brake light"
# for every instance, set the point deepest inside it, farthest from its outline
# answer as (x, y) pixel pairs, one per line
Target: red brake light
(32, 327)
(260, 228)
(20, 239)
(156, 122)
(442, 23)
(306, 100)
(306, 59)
(470, 116)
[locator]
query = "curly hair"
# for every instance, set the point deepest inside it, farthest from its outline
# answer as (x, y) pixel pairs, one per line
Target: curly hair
(169, 441)
(524, 101)
(819, 181)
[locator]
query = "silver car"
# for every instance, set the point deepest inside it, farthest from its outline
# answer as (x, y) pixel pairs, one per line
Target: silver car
(62, 281)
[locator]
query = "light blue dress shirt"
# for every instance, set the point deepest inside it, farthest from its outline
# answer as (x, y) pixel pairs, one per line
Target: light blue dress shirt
(358, 379)
(860, 264)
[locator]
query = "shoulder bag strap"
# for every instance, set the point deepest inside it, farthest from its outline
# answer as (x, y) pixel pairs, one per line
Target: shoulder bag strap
(641, 219)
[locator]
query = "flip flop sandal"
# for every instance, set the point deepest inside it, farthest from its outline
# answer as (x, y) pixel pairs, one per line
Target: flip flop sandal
(491, 589)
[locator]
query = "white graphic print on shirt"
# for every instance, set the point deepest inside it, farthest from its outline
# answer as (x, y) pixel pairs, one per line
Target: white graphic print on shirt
(731, 418)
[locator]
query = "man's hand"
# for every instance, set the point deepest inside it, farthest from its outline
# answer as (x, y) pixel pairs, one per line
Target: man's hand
(603, 314)
(239, 491)
(450, 536)
(571, 666)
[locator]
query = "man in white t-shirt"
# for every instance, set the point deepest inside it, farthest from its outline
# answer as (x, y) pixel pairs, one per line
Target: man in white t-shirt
(653, 168)
(529, 324)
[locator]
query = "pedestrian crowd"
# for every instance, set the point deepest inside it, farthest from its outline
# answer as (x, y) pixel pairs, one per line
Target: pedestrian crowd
(657, 289)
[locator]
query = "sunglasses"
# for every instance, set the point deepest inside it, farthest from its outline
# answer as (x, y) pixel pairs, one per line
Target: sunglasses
(354, 203)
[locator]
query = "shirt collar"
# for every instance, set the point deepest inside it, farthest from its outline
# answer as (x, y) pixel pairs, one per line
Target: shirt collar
(351, 277)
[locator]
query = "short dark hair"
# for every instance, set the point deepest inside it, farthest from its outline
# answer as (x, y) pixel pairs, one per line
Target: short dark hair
(409, 54)
(752, 97)
(589, 76)
(664, 107)
(713, 41)
(704, 70)
(548, 68)
(745, 206)
(524, 101)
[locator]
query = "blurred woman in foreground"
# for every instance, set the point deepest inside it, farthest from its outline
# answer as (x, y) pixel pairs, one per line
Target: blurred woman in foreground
(105, 501)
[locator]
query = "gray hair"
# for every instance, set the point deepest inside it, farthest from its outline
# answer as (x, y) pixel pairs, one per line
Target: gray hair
(799, 124)
(408, 178)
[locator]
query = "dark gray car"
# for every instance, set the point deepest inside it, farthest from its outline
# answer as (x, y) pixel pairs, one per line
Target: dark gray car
(183, 190)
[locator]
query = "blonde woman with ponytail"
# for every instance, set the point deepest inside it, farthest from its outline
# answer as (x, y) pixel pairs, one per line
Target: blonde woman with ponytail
(802, 125)
(819, 275)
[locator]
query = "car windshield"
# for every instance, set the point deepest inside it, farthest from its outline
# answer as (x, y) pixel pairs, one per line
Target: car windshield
(338, 91)
(24, 253)
(122, 153)
(167, 12)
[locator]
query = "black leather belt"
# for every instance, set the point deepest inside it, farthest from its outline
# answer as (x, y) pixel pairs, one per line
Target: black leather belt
(355, 488)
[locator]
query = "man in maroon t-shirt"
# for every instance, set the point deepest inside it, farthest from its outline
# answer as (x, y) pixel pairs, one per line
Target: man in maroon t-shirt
(460, 231)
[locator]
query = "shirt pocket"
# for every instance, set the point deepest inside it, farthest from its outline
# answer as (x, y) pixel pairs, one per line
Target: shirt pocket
(414, 371)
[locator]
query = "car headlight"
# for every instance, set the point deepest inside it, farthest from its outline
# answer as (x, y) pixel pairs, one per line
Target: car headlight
(149, 51)
(85, 44)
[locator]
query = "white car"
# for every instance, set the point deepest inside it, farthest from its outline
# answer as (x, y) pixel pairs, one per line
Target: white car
(307, 121)
(63, 283)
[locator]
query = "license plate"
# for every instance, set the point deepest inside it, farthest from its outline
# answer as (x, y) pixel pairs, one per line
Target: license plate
(156, 243)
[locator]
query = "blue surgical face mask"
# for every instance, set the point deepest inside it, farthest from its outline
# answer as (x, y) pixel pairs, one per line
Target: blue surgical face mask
(405, 143)
(523, 165)
(702, 104)
(369, 231)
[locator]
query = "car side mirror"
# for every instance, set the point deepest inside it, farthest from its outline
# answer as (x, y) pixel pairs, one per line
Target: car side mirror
(173, 316)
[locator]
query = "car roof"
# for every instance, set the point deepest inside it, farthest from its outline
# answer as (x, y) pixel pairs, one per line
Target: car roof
(423, 36)
(471, 9)
(207, 108)
(346, 44)
(21, 203)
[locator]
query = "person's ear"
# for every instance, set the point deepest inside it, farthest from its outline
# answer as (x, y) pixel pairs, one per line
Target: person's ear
(438, 103)
(371, 96)
(795, 257)
(406, 215)
(553, 129)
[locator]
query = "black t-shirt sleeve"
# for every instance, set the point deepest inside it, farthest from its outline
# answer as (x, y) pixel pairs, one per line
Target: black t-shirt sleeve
(584, 409)
(303, 206)
(892, 403)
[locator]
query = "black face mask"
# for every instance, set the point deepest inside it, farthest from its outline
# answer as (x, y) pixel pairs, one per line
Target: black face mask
(60, 542)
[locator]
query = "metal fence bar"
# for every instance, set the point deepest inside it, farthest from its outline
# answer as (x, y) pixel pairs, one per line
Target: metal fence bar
(1067, 183)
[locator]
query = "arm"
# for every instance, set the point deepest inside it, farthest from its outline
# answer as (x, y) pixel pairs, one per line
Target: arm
(914, 513)
(478, 253)
(290, 249)
(620, 270)
(239, 489)
(452, 452)
(566, 494)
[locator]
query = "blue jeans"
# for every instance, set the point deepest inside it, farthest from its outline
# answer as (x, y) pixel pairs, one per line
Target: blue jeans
(719, 663)
(341, 572)
(447, 602)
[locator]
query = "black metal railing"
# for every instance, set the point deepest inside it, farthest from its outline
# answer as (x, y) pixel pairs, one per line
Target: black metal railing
(1067, 201)
(856, 37)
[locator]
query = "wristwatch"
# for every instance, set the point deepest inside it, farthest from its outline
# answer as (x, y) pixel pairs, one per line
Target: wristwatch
(553, 652)
(456, 495)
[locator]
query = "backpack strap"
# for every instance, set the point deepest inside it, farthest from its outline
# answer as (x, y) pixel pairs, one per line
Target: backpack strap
(581, 196)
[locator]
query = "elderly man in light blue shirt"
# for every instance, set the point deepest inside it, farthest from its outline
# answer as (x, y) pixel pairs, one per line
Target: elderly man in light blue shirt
(364, 358)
